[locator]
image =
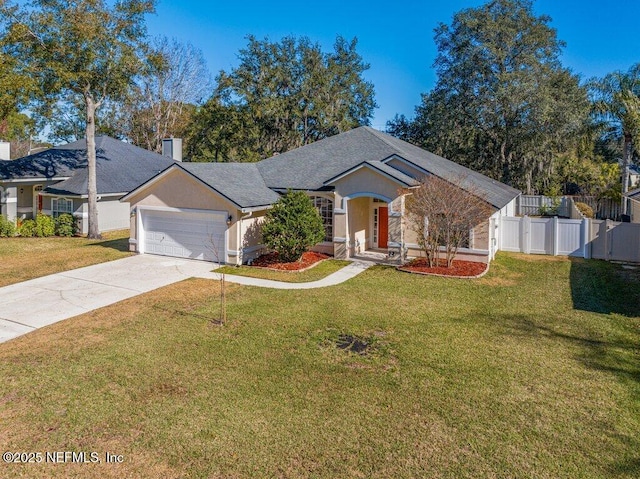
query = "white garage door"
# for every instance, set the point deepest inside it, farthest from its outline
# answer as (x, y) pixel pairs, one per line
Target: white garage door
(185, 234)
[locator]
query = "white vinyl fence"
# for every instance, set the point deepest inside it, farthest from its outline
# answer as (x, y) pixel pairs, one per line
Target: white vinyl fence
(584, 238)
(552, 236)
(537, 205)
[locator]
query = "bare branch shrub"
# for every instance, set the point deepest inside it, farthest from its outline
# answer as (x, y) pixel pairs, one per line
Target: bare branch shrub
(442, 214)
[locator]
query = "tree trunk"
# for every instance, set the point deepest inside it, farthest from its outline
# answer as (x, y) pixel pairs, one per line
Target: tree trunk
(94, 230)
(626, 159)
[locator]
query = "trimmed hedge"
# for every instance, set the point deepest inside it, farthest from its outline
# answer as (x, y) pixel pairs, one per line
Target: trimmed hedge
(66, 225)
(27, 229)
(7, 228)
(45, 226)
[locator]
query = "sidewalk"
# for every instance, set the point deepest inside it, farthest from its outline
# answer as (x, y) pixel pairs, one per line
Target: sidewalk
(346, 273)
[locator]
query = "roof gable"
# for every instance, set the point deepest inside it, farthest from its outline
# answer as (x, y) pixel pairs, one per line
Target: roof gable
(380, 168)
(239, 183)
(312, 166)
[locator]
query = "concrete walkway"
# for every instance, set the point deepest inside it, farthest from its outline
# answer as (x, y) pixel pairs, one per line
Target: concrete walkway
(338, 277)
(42, 301)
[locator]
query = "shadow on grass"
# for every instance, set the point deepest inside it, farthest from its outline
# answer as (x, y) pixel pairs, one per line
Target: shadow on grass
(602, 287)
(120, 244)
(615, 353)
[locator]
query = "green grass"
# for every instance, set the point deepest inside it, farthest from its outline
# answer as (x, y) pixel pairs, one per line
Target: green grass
(27, 258)
(531, 371)
(319, 271)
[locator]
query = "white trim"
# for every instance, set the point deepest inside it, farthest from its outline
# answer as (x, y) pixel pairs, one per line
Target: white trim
(34, 180)
(333, 180)
(339, 211)
(393, 244)
(337, 239)
(133, 241)
(10, 199)
(394, 214)
(81, 197)
(181, 210)
(233, 252)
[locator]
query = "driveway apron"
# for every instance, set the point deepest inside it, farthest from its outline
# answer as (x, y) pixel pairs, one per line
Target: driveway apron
(39, 302)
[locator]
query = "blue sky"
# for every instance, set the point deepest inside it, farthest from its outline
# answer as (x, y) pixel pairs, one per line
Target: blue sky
(395, 38)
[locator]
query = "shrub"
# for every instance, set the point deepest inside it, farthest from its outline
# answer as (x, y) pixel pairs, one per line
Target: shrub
(7, 228)
(45, 226)
(27, 229)
(585, 209)
(292, 226)
(66, 225)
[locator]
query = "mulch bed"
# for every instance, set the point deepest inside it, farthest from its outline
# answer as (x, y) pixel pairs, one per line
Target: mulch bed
(459, 268)
(271, 260)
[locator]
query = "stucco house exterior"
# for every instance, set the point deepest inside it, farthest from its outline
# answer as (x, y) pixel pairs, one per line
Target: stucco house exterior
(54, 181)
(358, 180)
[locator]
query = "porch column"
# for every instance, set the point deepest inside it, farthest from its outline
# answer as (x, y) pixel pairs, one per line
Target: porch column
(340, 231)
(10, 202)
(396, 233)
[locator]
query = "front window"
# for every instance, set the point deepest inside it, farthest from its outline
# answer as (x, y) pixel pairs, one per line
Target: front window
(325, 208)
(60, 206)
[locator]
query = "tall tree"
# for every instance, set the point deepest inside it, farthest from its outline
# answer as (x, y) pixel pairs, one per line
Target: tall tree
(291, 93)
(88, 49)
(174, 80)
(503, 104)
(616, 102)
(220, 132)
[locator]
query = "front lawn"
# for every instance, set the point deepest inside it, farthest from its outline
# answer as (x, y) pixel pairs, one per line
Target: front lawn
(530, 371)
(27, 258)
(319, 271)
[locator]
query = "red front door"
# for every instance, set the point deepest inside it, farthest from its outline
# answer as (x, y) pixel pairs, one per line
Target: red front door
(383, 226)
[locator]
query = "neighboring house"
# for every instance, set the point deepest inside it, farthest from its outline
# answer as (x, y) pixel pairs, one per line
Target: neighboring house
(634, 176)
(54, 181)
(634, 205)
(357, 179)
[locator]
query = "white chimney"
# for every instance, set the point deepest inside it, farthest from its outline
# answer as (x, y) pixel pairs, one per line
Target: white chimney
(5, 150)
(172, 147)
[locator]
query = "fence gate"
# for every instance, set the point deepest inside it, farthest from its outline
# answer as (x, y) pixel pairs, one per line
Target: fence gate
(614, 241)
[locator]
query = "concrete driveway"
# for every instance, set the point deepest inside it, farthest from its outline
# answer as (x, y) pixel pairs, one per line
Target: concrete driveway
(39, 302)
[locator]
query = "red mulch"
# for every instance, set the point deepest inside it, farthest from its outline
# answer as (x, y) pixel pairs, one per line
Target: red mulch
(270, 260)
(458, 267)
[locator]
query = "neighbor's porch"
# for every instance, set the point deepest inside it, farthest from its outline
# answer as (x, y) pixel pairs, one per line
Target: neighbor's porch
(21, 200)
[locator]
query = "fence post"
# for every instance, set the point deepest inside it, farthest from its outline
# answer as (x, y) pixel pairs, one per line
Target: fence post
(606, 239)
(525, 237)
(554, 237)
(586, 238)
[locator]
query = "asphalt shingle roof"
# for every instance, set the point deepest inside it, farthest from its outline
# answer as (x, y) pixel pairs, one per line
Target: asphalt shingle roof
(121, 166)
(310, 166)
(241, 183)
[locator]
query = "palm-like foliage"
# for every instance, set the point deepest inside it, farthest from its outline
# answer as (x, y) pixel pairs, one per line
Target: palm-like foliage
(616, 105)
